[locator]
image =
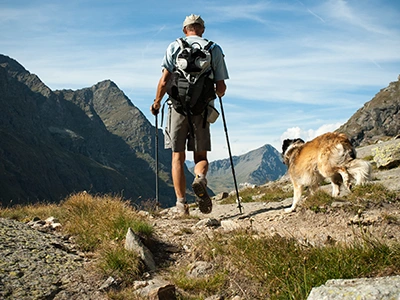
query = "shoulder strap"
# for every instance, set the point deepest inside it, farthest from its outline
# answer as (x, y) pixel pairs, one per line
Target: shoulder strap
(182, 43)
(209, 45)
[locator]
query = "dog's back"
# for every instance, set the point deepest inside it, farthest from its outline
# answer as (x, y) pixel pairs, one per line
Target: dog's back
(320, 158)
(330, 155)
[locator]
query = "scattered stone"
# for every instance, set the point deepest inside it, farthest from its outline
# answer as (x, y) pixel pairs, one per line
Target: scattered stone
(157, 289)
(110, 282)
(383, 288)
(41, 265)
(387, 156)
(134, 244)
(221, 196)
(209, 222)
(229, 225)
(215, 297)
(200, 269)
(257, 197)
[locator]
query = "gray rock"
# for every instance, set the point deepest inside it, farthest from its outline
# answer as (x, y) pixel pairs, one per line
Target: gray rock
(133, 243)
(200, 269)
(209, 222)
(384, 288)
(157, 289)
(388, 155)
(229, 225)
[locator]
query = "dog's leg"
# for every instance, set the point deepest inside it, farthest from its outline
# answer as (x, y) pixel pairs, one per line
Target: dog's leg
(336, 181)
(335, 189)
(297, 191)
(345, 177)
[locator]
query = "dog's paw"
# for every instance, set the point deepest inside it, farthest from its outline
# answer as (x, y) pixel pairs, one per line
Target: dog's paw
(289, 210)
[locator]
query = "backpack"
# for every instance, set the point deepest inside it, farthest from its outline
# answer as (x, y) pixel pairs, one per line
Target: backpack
(190, 88)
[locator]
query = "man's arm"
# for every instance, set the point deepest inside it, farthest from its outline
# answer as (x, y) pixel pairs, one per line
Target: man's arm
(220, 88)
(161, 90)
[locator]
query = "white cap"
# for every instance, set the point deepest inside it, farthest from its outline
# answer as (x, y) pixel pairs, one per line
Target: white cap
(193, 19)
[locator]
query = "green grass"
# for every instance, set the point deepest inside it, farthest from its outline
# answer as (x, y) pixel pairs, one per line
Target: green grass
(281, 268)
(263, 194)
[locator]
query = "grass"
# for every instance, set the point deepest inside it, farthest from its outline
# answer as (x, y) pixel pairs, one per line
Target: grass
(260, 194)
(281, 268)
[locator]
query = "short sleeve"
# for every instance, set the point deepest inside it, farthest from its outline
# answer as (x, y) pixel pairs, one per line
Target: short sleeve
(218, 63)
(169, 57)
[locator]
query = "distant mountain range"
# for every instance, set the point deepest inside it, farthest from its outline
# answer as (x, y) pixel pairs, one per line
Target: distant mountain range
(255, 167)
(54, 143)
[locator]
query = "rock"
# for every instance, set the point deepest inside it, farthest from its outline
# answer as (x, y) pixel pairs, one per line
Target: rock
(108, 284)
(383, 288)
(221, 196)
(229, 225)
(157, 289)
(387, 156)
(209, 222)
(257, 197)
(200, 269)
(133, 243)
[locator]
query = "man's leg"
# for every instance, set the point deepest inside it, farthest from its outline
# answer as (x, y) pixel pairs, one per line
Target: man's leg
(199, 184)
(201, 163)
(179, 180)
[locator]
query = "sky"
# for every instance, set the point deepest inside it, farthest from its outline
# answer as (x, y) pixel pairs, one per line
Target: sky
(296, 68)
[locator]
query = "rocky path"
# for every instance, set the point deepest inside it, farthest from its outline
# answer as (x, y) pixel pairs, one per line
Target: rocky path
(40, 265)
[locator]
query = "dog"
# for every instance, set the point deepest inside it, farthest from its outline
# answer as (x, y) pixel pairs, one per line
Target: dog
(329, 156)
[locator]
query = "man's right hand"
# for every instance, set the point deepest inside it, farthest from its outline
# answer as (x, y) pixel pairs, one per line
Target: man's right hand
(155, 108)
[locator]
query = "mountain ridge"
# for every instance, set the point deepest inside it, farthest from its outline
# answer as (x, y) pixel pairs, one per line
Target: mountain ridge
(54, 143)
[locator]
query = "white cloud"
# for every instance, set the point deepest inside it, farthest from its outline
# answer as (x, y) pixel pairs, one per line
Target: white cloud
(308, 134)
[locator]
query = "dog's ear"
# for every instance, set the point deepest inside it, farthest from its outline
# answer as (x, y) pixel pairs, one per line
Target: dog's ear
(286, 144)
(299, 140)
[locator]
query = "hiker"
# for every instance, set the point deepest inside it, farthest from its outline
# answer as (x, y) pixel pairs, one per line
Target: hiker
(186, 127)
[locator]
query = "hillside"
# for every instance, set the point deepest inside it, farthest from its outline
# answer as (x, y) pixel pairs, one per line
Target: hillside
(53, 143)
(378, 119)
(255, 167)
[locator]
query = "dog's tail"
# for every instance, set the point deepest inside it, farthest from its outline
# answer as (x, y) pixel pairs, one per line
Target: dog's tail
(359, 170)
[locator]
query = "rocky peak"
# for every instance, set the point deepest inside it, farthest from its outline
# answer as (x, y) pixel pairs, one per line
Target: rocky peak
(378, 119)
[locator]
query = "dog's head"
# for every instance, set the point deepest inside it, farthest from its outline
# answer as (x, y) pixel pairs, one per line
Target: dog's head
(287, 145)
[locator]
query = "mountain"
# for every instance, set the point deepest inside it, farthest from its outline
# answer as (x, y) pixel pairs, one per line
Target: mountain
(378, 119)
(54, 143)
(255, 167)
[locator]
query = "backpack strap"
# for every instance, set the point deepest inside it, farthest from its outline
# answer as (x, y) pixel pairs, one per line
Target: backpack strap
(162, 113)
(182, 43)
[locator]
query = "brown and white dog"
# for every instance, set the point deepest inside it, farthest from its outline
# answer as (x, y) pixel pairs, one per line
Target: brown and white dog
(330, 156)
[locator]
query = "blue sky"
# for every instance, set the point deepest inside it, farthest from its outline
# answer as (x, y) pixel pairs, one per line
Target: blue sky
(297, 68)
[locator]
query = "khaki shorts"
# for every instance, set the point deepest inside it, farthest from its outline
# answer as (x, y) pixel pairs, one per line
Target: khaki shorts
(177, 133)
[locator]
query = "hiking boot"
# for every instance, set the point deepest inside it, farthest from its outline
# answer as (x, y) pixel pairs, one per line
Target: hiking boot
(199, 187)
(182, 208)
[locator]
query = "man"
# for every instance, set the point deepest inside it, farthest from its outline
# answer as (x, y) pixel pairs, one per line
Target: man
(178, 129)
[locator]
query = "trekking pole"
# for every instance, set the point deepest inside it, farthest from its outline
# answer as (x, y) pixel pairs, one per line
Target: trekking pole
(230, 155)
(156, 125)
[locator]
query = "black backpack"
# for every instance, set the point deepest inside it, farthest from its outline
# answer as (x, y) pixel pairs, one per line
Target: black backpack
(190, 88)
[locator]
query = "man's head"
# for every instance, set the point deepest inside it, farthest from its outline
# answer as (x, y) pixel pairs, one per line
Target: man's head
(193, 24)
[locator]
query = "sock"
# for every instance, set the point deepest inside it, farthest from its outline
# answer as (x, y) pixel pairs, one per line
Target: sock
(181, 200)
